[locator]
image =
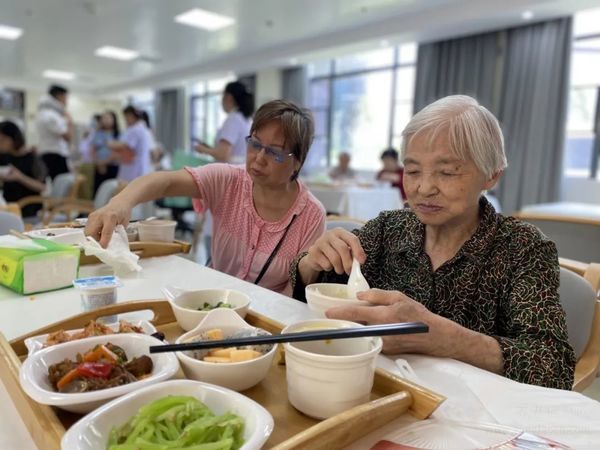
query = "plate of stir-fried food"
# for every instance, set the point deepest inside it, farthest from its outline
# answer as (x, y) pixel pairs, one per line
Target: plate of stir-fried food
(93, 328)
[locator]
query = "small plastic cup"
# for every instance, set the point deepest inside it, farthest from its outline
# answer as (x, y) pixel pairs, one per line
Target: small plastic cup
(97, 292)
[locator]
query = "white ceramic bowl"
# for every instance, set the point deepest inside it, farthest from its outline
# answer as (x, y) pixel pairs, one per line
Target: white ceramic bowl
(91, 432)
(185, 304)
(237, 376)
(157, 230)
(34, 372)
(66, 236)
(322, 296)
(36, 343)
(325, 378)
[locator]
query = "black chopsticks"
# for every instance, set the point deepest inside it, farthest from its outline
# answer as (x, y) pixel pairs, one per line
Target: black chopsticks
(316, 335)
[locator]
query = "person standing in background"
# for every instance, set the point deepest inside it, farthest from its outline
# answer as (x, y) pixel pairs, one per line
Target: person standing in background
(343, 171)
(85, 162)
(133, 149)
(55, 130)
(230, 144)
(106, 167)
(392, 171)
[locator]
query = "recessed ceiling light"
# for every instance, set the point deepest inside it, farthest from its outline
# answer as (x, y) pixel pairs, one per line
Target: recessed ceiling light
(527, 15)
(293, 61)
(122, 54)
(58, 74)
(384, 43)
(8, 32)
(206, 20)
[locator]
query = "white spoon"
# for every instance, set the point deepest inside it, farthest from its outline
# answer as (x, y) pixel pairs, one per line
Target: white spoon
(357, 282)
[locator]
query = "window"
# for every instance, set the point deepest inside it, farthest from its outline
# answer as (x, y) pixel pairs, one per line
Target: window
(361, 104)
(582, 145)
(206, 111)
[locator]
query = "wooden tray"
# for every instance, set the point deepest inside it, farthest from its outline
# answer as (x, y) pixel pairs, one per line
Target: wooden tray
(391, 396)
(146, 249)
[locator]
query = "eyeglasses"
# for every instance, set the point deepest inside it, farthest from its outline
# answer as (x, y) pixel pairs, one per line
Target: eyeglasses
(275, 155)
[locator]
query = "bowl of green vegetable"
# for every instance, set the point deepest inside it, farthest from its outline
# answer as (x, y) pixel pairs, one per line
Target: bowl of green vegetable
(191, 307)
(182, 413)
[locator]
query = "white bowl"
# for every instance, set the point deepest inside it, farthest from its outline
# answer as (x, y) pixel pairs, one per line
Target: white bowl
(36, 343)
(92, 431)
(157, 230)
(237, 376)
(322, 296)
(325, 378)
(34, 372)
(66, 236)
(185, 304)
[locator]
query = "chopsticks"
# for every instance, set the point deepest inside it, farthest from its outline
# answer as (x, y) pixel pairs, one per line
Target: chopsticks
(316, 335)
(19, 234)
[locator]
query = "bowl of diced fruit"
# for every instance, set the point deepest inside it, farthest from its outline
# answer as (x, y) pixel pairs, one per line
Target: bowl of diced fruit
(236, 368)
(191, 307)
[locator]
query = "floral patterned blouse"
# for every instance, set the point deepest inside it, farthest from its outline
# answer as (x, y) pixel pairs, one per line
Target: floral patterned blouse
(503, 282)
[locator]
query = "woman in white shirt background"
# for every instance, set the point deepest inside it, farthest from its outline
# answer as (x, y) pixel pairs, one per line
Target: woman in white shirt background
(230, 144)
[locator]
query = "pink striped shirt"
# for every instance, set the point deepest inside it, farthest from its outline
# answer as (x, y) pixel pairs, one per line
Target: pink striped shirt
(242, 241)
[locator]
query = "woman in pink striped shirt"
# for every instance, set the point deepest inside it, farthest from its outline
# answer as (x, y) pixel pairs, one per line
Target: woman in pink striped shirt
(263, 215)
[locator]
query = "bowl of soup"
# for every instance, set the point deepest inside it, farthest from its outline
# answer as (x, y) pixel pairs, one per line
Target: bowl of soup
(323, 296)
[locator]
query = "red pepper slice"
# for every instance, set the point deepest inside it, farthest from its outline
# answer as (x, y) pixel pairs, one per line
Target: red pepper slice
(98, 370)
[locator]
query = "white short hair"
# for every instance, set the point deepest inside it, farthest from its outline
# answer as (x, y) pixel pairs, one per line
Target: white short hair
(473, 132)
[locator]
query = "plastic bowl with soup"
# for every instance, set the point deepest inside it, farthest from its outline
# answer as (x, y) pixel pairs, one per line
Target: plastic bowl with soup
(323, 296)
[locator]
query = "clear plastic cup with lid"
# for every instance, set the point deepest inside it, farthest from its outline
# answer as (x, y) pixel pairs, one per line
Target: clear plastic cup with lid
(98, 292)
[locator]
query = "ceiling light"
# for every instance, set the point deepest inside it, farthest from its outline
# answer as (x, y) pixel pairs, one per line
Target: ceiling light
(206, 20)
(527, 15)
(58, 74)
(12, 33)
(384, 43)
(122, 54)
(294, 61)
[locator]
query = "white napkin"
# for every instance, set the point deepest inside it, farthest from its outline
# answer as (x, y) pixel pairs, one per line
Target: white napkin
(117, 254)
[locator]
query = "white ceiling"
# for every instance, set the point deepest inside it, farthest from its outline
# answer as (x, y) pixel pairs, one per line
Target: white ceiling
(63, 34)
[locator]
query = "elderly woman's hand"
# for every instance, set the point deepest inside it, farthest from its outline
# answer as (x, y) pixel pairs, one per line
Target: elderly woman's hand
(394, 307)
(332, 251)
(102, 222)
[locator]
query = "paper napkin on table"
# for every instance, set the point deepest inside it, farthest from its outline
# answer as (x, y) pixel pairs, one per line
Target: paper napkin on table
(117, 254)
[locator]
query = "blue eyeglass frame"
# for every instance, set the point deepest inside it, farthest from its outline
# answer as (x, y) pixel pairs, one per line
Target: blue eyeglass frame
(256, 146)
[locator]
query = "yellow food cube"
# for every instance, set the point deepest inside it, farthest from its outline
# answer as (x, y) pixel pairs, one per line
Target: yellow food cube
(216, 359)
(244, 355)
(215, 334)
(222, 352)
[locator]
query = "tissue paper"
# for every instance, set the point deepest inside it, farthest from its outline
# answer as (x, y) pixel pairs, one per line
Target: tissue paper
(117, 254)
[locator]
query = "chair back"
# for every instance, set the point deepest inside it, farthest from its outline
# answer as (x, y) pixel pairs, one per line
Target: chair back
(10, 221)
(62, 185)
(106, 191)
(578, 299)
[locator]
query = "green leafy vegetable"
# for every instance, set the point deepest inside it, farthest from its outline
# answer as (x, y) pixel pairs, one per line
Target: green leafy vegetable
(178, 422)
(208, 307)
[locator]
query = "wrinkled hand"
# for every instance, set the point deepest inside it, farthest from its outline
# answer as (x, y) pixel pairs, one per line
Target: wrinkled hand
(13, 175)
(334, 251)
(102, 222)
(395, 307)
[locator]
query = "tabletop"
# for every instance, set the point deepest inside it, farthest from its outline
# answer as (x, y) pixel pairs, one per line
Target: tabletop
(474, 395)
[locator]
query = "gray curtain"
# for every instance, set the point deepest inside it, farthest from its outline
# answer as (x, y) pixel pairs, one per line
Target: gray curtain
(295, 85)
(521, 75)
(170, 119)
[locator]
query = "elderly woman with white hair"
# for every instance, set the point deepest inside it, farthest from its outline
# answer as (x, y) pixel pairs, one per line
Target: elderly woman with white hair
(486, 285)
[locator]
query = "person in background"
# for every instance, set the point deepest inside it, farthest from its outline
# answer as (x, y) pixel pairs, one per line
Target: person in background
(230, 146)
(55, 130)
(343, 171)
(392, 171)
(485, 284)
(263, 215)
(104, 159)
(85, 164)
(132, 150)
(23, 173)
(157, 153)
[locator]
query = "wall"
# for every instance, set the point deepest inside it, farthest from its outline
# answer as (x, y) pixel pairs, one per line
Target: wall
(581, 190)
(268, 85)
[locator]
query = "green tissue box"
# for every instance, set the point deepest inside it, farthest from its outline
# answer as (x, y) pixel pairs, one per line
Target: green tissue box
(28, 266)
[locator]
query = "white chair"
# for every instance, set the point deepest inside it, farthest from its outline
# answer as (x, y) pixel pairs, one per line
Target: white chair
(10, 221)
(579, 300)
